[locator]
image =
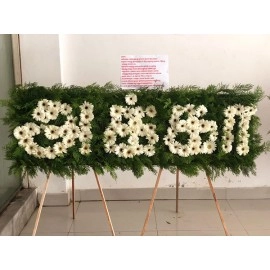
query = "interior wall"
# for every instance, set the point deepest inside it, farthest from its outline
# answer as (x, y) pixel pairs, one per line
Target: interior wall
(193, 60)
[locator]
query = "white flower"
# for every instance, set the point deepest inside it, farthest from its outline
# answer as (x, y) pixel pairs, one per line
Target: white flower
(109, 137)
(115, 123)
(208, 147)
(26, 141)
(168, 139)
(86, 117)
(178, 110)
(68, 141)
(195, 140)
(229, 137)
(189, 108)
(183, 151)
(59, 148)
(85, 149)
(250, 110)
(229, 123)
(123, 130)
(109, 147)
(227, 147)
(193, 131)
(85, 126)
(193, 122)
(52, 132)
(181, 126)
(128, 112)
(138, 112)
(174, 120)
(135, 123)
(65, 109)
(138, 149)
(52, 113)
(151, 111)
(149, 128)
(173, 148)
(204, 126)
(39, 152)
(43, 104)
(142, 131)
(213, 136)
(119, 149)
(129, 152)
(74, 131)
(230, 111)
(86, 107)
(194, 149)
(201, 110)
(31, 148)
(133, 139)
(32, 129)
(131, 99)
(63, 130)
(20, 132)
(239, 109)
(39, 115)
(57, 105)
(49, 153)
(242, 149)
(116, 111)
(70, 120)
(85, 135)
(244, 124)
(152, 138)
(171, 131)
(149, 150)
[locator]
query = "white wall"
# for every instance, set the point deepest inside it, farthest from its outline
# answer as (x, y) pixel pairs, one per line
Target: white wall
(193, 59)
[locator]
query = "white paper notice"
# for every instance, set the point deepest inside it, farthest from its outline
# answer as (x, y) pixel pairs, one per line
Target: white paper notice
(144, 71)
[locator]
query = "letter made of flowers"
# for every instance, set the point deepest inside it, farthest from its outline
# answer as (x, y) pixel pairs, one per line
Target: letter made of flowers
(193, 126)
(244, 113)
(65, 135)
(126, 123)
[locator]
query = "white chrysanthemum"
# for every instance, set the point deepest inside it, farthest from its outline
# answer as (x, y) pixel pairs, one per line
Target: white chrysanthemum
(43, 104)
(142, 131)
(152, 138)
(139, 112)
(173, 148)
(208, 147)
(85, 135)
(64, 131)
(181, 126)
(20, 132)
(135, 124)
(86, 117)
(228, 137)
(59, 148)
(171, 131)
(31, 148)
(86, 107)
(49, 153)
(204, 126)
(109, 138)
(85, 149)
(128, 112)
(213, 136)
(39, 115)
(149, 128)
(123, 130)
(213, 125)
(195, 140)
(70, 120)
(129, 152)
(178, 110)
(239, 109)
(227, 147)
(193, 131)
(194, 149)
(115, 123)
(74, 131)
(131, 99)
(151, 111)
(244, 134)
(119, 149)
(193, 122)
(230, 111)
(68, 141)
(243, 141)
(26, 141)
(244, 124)
(85, 126)
(201, 110)
(52, 132)
(138, 149)
(174, 120)
(133, 139)
(189, 108)
(149, 150)
(229, 123)
(57, 105)
(168, 139)
(39, 152)
(32, 129)
(242, 149)
(183, 151)
(116, 112)
(109, 147)
(52, 113)
(65, 109)
(249, 111)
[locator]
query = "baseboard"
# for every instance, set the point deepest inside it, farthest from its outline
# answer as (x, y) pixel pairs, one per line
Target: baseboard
(18, 212)
(169, 193)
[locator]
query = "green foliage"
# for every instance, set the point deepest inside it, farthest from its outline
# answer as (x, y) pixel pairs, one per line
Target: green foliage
(23, 99)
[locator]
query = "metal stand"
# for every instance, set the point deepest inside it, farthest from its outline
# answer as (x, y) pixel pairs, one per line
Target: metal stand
(217, 205)
(104, 204)
(151, 203)
(73, 195)
(177, 190)
(41, 205)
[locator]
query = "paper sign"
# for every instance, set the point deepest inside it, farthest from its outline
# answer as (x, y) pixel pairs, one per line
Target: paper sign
(144, 71)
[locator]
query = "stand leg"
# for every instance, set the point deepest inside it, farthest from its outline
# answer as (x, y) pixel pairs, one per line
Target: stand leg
(218, 207)
(73, 196)
(41, 205)
(151, 203)
(105, 205)
(177, 189)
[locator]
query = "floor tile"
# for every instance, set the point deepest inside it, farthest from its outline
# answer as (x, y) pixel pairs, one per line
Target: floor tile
(200, 233)
(259, 233)
(194, 215)
(131, 233)
(90, 234)
(52, 220)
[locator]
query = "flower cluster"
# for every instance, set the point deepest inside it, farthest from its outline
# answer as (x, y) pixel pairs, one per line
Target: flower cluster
(193, 126)
(46, 111)
(244, 113)
(127, 122)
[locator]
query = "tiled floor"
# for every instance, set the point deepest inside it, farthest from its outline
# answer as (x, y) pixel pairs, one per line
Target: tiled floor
(195, 218)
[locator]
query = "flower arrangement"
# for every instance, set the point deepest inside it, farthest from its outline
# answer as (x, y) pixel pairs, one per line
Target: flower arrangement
(74, 129)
